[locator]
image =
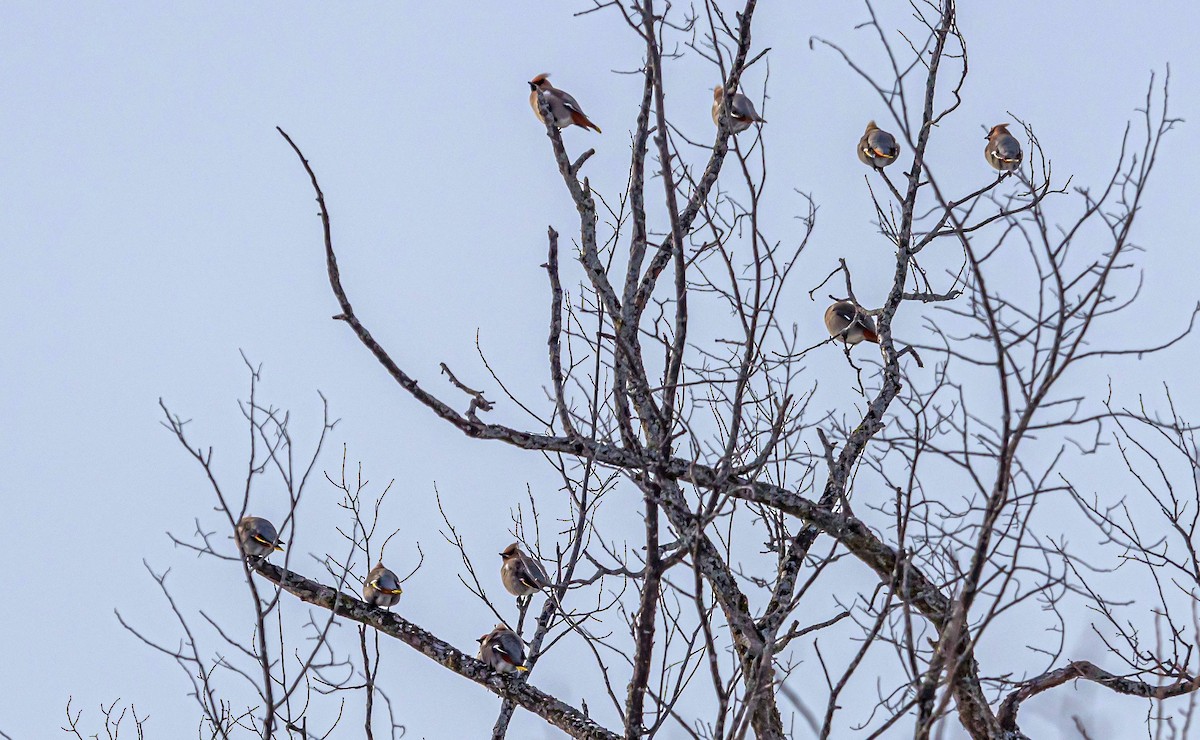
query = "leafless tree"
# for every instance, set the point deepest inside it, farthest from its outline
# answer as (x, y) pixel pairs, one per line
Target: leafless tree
(880, 544)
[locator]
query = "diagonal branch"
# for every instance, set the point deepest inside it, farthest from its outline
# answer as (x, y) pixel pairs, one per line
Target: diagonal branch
(556, 712)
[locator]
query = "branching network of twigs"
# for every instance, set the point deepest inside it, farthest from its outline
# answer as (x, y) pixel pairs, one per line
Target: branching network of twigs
(674, 380)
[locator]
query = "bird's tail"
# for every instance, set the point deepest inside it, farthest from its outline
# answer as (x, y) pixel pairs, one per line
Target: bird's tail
(583, 121)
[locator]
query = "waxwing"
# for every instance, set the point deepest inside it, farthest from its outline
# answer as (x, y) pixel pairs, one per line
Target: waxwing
(1002, 151)
(744, 114)
(257, 537)
(521, 574)
(877, 148)
(503, 650)
(566, 109)
(850, 324)
(382, 587)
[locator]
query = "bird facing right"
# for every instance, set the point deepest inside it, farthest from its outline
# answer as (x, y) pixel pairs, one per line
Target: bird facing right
(1002, 150)
(849, 323)
(521, 574)
(503, 650)
(563, 107)
(382, 587)
(877, 148)
(257, 537)
(743, 115)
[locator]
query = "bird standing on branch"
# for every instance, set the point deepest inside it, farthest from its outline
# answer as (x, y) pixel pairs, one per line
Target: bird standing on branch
(257, 537)
(743, 114)
(563, 107)
(877, 148)
(382, 587)
(1002, 150)
(503, 650)
(521, 574)
(850, 323)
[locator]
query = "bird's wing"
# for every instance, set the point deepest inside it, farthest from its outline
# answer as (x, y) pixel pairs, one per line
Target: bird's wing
(570, 102)
(882, 143)
(743, 107)
(844, 312)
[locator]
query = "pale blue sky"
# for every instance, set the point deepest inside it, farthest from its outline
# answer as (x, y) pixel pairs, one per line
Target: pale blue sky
(155, 224)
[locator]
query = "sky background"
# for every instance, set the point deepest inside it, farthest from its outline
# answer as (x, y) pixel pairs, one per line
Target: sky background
(155, 224)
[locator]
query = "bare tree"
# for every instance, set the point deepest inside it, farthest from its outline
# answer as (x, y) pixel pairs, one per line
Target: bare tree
(677, 380)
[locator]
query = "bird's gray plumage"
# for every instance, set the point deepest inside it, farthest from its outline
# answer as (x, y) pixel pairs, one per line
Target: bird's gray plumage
(503, 650)
(521, 574)
(742, 114)
(382, 587)
(565, 108)
(850, 325)
(877, 148)
(1002, 150)
(257, 537)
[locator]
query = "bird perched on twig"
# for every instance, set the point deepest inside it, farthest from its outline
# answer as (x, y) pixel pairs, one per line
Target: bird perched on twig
(382, 587)
(521, 574)
(503, 650)
(1002, 150)
(877, 148)
(743, 114)
(849, 323)
(563, 107)
(257, 537)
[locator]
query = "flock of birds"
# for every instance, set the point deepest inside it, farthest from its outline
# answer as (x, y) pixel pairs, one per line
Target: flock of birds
(502, 648)
(876, 149)
(523, 576)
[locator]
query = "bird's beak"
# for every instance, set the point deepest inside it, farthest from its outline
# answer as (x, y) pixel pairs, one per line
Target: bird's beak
(501, 554)
(532, 86)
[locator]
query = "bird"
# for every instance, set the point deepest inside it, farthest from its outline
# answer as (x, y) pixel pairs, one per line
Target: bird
(877, 148)
(503, 650)
(848, 322)
(257, 537)
(521, 574)
(1002, 150)
(565, 109)
(382, 587)
(743, 115)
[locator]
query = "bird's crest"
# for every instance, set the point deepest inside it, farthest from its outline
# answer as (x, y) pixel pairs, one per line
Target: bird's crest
(544, 76)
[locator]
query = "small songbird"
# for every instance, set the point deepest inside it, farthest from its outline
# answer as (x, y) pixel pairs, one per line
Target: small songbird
(521, 574)
(877, 148)
(382, 587)
(1002, 150)
(257, 537)
(847, 322)
(566, 109)
(743, 116)
(503, 650)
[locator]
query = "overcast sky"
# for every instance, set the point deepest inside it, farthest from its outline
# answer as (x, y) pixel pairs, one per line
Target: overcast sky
(155, 224)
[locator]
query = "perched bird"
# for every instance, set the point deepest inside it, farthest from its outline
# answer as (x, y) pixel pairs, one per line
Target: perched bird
(565, 108)
(503, 650)
(847, 322)
(743, 115)
(257, 537)
(382, 587)
(877, 148)
(1002, 151)
(521, 574)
